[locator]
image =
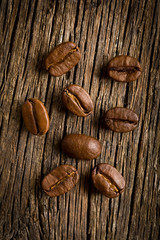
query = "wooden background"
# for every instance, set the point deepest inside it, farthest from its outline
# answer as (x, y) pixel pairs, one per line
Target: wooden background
(102, 29)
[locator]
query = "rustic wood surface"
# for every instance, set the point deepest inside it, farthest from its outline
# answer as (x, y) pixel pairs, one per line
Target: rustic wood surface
(102, 29)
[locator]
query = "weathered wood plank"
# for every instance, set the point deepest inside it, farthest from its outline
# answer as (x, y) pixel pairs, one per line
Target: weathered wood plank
(102, 29)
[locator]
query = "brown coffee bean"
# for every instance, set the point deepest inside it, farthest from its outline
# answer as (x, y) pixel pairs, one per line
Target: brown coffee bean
(81, 146)
(124, 68)
(61, 180)
(77, 100)
(108, 180)
(120, 119)
(35, 116)
(62, 58)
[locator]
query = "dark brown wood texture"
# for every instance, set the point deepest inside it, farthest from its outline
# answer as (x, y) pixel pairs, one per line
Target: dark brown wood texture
(102, 30)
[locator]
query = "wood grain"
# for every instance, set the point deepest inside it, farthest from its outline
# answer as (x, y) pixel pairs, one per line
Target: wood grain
(102, 29)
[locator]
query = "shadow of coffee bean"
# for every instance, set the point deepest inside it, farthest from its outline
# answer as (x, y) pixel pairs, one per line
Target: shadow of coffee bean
(40, 64)
(68, 75)
(93, 190)
(105, 73)
(102, 122)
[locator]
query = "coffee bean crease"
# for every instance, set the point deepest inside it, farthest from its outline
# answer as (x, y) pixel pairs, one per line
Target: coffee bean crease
(77, 101)
(61, 181)
(54, 64)
(110, 182)
(38, 132)
(62, 58)
(35, 116)
(121, 119)
(124, 69)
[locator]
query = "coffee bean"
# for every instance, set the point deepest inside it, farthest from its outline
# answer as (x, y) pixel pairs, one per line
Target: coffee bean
(62, 58)
(124, 68)
(121, 119)
(81, 146)
(35, 116)
(77, 100)
(108, 180)
(61, 180)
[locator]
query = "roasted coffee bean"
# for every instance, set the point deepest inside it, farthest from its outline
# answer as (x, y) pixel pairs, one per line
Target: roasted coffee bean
(61, 180)
(108, 180)
(121, 119)
(124, 68)
(77, 100)
(35, 116)
(62, 58)
(81, 146)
